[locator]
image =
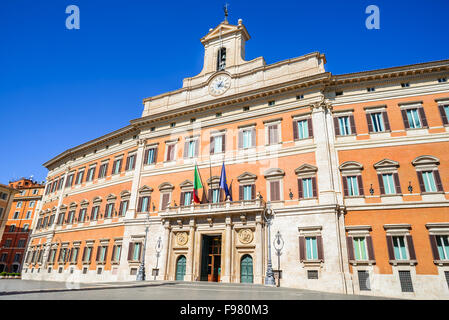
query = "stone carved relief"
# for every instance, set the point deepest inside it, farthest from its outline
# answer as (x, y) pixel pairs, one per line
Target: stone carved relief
(246, 236)
(182, 238)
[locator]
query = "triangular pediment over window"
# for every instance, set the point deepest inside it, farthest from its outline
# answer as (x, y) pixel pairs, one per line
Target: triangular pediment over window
(125, 193)
(306, 168)
(84, 202)
(111, 197)
(386, 163)
(166, 186)
(274, 173)
(186, 184)
(145, 188)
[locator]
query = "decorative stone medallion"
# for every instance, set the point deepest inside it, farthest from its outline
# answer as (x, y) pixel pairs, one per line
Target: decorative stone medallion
(182, 238)
(245, 236)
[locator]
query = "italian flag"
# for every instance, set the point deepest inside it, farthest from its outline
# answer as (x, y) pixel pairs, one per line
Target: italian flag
(196, 185)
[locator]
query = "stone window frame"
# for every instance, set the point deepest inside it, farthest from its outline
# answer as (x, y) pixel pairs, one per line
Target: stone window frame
(403, 230)
(197, 150)
(90, 167)
(306, 171)
(72, 174)
(80, 175)
(252, 127)
(413, 105)
(273, 175)
(103, 243)
(96, 202)
(213, 135)
(378, 109)
(110, 199)
(360, 231)
(438, 229)
(443, 102)
(350, 169)
(388, 166)
(312, 231)
(247, 178)
(144, 191)
(344, 113)
(128, 156)
(102, 163)
(75, 245)
(278, 123)
(148, 147)
(125, 195)
(135, 239)
(116, 158)
(165, 188)
(301, 117)
(185, 186)
(214, 184)
(117, 242)
(88, 244)
(175, 150)
(428, 163)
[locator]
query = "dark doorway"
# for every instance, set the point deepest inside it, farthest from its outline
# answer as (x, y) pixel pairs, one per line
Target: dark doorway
(211, 258)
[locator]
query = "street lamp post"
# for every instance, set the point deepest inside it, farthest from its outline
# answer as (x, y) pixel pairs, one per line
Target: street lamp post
(141, 272)
(268, 216)
(278, 244)
(158, 253)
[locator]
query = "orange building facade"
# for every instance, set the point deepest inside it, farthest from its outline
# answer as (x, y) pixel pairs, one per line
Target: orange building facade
(18, 225)
(351, 170)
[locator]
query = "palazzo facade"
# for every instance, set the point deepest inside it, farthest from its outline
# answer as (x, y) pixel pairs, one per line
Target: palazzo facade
(353, 167)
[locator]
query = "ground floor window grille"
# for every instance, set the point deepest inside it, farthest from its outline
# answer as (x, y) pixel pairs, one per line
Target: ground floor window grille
(60, 270)
(364, 283)
(446, 273)
(406, 281)
(312, 274)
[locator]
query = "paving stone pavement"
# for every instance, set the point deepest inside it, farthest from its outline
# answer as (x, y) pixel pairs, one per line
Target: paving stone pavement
(13, 289)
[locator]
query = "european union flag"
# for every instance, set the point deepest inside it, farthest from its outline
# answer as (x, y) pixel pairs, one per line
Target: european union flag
(223, 183)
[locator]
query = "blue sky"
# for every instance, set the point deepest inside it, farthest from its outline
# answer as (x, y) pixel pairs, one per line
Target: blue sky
(60, 88)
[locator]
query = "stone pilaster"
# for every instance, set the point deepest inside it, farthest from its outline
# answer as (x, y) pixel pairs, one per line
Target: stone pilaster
(131, 212)
(259, 259)
(165, 252)
(226, 277)
(190, 254)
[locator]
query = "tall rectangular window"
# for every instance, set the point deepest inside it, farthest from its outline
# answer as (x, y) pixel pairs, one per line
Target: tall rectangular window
(273, 134)
(247, 137)
(443, 247)
(144, 204)
(400, 250)
(377, 122)
(116, 253)
(360, 251)
(191, 148)
(187, 198)
(429, 181)
(216, 195)
(413, 118)
(79, 177)
(303, 129)
(131, 162)
(311, 248)
(353, 187)
(74, 254)
(94, 214)
(117, 166)
(82, 215)
(124, 207)
(136, 253)
(103, 170)
(171, 152)
(109, 210)
(247, 192)
(307, 188)
(388, 183)
(70, 180)
(90, 174)
(70, 217)
(446, 111)
(345, 127)
(150, 156)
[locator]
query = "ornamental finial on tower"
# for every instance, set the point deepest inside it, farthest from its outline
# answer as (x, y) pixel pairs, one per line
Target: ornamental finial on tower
(225, 9)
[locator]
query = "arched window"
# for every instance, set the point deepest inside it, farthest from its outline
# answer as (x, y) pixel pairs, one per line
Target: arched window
(221, 59)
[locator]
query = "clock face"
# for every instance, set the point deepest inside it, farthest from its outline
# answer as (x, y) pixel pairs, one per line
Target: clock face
(219, 85)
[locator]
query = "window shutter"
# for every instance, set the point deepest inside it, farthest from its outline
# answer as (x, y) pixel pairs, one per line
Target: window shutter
(390, 247)
(120, 208)
(240, 192)
(212, 145)
(302, 249)
(127, 163)
(397, 183)
(274, 190)
(370, 124)
(314, 189)
(186, 149)
(300, 192)
(139, 205)
(134, 161)
(130, 250)
(405, 119)
(336, 127)
(253, 191)
(438, 182)
(84, 253)
(270, 134)
(381, 184)
(145, 159)
(172, 152)
(140, 251)
(370, 247)
(70, 255)
(253, 137)
(422, 116)
(165, 199)
(155, 155)
(421, 181)
(182, 198)
(240, 139)
(433, 245)
(319, 241)
(105, 254)
(345, 186)
(443, 114)
(360, 183)
(295, 130)
(386, 121)
(350, 246)
(106, 169)
(411, 247)
(197, 147)
(98, 253)
(310, 126)
(209, 195)
(113, 253)
(223, 143)
(351, 120)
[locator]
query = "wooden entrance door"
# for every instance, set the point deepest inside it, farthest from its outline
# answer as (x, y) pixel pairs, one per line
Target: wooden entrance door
(214, 259)
(246, 269)
(181, 268)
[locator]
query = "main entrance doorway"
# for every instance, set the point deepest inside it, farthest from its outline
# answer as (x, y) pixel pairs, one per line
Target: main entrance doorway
(211, 258)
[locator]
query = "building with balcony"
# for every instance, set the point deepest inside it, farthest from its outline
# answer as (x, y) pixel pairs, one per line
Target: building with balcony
(353, 168)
